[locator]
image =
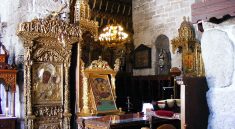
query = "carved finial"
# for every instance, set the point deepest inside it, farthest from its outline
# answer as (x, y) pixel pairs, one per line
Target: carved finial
(100, 64)
(100, 58)
(184, 18)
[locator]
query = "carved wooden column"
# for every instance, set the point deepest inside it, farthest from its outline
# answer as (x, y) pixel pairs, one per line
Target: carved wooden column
(113, 85)
(67, 113)
(27, 87)
(85, 108)
(7, 105)
(78, 76)
(13, 104)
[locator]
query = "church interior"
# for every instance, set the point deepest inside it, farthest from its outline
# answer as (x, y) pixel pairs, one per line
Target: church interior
(117, 64)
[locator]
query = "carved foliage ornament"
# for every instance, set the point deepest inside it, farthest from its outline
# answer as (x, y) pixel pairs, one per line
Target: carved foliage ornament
(9, 77)
(48, 111)
(53, 51)
(99, 64)
(50, 28)
(89, 25)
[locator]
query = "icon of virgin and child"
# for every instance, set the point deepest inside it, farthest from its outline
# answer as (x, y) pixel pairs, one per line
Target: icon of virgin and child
(47, 83)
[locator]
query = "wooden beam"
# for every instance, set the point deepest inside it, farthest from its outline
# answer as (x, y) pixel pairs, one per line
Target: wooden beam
(129, 12)
(118, 8)
(100, 5)
(112, 8)
(107, 15)
(124, 8)
(94, 3)
(107, 3)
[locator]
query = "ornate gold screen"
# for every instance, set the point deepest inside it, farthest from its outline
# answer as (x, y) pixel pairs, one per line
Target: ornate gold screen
(47, 53)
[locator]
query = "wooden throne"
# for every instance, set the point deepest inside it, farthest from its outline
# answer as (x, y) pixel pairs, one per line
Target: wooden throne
(47, 53)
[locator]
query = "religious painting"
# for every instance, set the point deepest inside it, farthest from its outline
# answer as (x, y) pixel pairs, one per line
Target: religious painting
(188, 60)
(102, 93)
(142, 57)
(47, 83)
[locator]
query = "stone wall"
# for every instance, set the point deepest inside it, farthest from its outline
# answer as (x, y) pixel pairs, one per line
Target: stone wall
(152, 18)
(13, 12)
(218, 46)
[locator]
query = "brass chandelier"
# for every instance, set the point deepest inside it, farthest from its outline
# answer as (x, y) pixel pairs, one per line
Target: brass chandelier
(113, 36)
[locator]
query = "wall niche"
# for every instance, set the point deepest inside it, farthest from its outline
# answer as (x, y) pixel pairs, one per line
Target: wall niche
(163, 55)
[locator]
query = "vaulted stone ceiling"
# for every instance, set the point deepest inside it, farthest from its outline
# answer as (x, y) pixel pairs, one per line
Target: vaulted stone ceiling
(112, 11)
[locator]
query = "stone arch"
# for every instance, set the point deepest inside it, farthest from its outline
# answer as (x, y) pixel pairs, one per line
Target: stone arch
(163, 56)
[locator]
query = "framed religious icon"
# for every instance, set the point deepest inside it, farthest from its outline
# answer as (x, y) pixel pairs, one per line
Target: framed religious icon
(188, 62)
(142, 57)
(47, 83)
(102, 94)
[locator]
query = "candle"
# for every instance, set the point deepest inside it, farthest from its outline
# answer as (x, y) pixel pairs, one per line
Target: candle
(7, 111)
(0, 103)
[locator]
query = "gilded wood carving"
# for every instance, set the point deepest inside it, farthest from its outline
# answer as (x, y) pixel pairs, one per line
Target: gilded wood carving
(9, 76)
(47, 53)
(83, 16)
(92, 99)
(190, 48)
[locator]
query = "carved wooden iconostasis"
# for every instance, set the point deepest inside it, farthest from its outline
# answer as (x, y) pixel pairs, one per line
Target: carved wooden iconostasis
(47, 54)
(186, 43)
